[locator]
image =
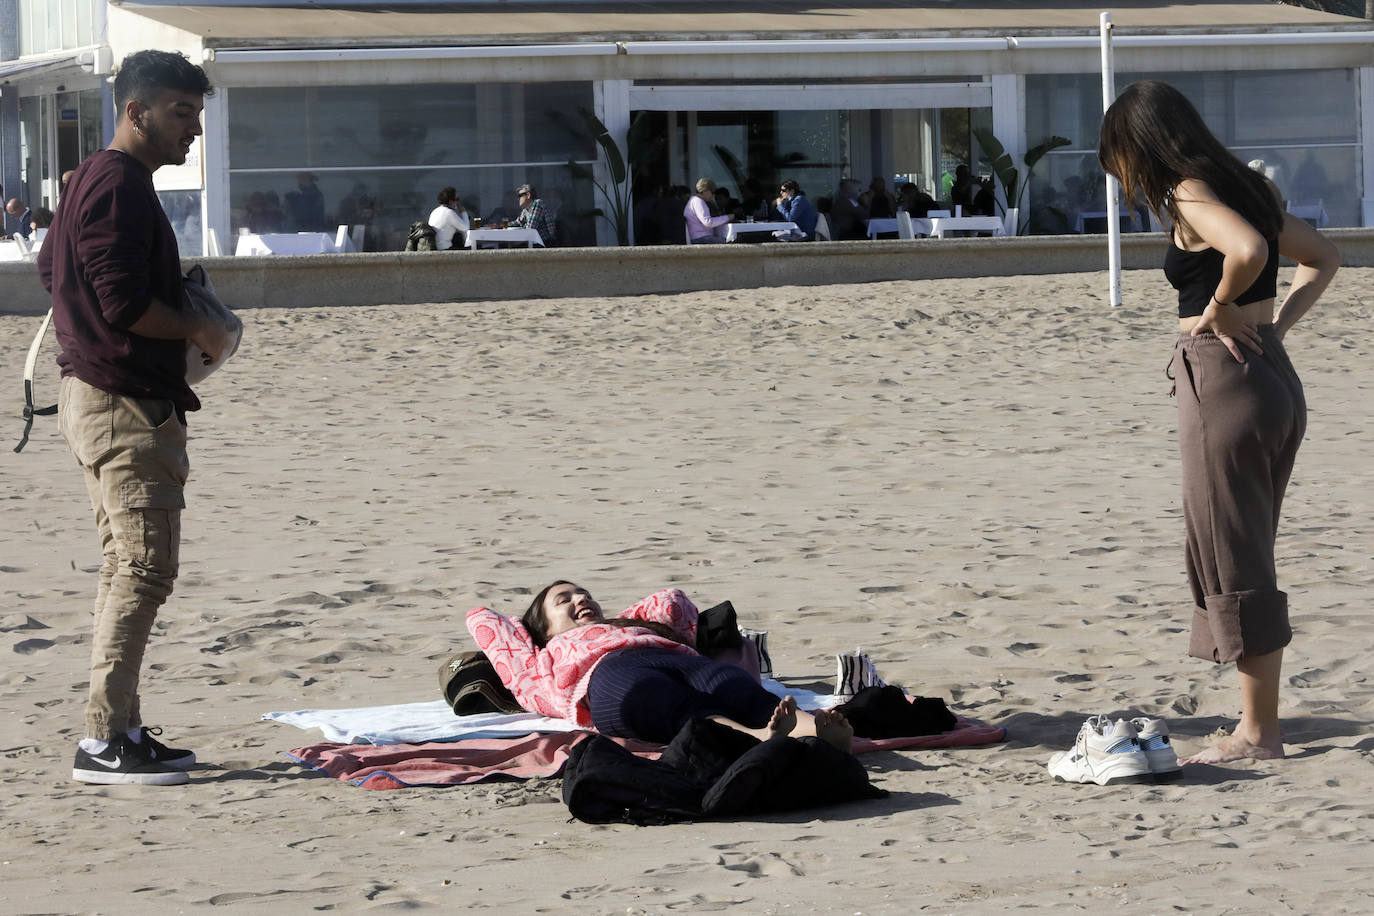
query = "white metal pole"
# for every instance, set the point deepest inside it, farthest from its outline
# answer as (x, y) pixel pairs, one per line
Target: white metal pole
(1113, 187)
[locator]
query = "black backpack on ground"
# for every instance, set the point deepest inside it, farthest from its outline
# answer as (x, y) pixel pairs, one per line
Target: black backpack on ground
(709, 770)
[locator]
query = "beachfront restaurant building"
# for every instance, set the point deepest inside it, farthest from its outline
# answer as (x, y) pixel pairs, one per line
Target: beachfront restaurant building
(356, 113)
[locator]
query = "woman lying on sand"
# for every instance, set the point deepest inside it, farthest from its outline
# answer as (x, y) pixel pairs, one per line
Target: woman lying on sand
(633, 676)
(1241, 412)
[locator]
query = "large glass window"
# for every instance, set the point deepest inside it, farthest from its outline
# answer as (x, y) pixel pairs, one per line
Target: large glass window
(183, 212)
(1303, 124)
(55, 25)
(747, 154)
(313, 158)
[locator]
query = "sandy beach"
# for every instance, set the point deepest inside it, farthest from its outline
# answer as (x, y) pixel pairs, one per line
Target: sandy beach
(975, 480)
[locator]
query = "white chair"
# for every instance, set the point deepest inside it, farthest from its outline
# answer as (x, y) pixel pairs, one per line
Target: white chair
(22, 244)
(212, 248)
(688, 233)
(958, 210)
(342, 243)
(822, 228)
(904, 228)
(359, 233)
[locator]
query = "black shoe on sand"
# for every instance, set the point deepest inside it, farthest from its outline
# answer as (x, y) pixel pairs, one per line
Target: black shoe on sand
(173, 757)
(124, 763)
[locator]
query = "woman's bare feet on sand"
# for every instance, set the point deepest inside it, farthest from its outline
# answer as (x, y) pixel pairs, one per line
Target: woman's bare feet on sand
(783, 720)
(1239, 747)
(834, 729)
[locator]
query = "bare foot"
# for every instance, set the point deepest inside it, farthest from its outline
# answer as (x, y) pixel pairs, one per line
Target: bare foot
(1234, 747)
(783, 720)
(834, 729)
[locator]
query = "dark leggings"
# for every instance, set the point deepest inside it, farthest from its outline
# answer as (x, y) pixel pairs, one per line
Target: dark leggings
(651, 693)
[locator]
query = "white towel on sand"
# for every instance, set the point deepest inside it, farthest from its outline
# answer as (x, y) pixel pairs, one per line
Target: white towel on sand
(418, 723)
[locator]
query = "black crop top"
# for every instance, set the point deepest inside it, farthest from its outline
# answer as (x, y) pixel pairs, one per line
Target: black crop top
(1196, 274)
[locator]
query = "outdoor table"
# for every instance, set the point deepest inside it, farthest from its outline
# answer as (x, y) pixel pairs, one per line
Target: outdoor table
(285, 243)
(519, 234)
(735, 230)
(881, 224)
(919, 226)
(9, 251)
(941, 224)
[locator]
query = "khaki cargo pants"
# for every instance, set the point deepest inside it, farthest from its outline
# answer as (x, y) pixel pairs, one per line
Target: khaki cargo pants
(133, 451)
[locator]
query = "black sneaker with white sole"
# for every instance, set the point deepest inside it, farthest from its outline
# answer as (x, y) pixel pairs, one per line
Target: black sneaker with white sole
(124, 762)
(173, 757)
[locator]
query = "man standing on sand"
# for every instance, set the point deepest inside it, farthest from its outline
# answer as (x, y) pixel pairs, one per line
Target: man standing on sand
(123, 320)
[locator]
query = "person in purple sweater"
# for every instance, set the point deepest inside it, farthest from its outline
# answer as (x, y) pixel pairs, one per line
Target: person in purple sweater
(123, 320)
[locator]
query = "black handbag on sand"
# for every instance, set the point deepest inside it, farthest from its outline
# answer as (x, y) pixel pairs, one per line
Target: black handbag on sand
(470, 685)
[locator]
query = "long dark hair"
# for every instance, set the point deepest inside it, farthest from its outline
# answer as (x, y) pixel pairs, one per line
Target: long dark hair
(536, 621)
(1153, 138)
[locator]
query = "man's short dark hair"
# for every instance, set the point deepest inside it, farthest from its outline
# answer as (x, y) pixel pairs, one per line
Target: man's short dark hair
(791, 185)
(145, 75)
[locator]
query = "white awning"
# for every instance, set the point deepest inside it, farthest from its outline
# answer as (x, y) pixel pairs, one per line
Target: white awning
(79, 62)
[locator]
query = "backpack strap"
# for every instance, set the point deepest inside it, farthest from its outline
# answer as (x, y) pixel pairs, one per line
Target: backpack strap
(30, 364)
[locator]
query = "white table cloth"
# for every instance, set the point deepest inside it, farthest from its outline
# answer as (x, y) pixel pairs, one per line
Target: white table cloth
(528, 237)
(881, 224)
(285, 243)
(919, 226)
(9, 251)
(942, 224)
(734, 230)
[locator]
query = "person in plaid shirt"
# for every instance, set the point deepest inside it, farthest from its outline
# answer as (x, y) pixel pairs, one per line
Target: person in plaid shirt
(534, 215)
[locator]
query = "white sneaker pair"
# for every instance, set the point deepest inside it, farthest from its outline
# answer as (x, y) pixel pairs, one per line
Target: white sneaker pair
(1109, 753)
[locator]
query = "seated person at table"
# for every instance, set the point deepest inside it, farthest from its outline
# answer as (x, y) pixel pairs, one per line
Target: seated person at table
(793, 207)
(449, 221)
(701, 225)
(848, 217)
(19, 212)
(879, 202)
(534, 215)
(916, 201)
(724, 203)
(985, 201)
(636, 675)
(964, 187)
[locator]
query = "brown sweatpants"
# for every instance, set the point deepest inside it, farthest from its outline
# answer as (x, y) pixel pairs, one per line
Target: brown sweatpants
(1239, 428)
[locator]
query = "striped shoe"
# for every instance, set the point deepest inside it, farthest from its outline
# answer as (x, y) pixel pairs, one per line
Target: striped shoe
(1153, 735)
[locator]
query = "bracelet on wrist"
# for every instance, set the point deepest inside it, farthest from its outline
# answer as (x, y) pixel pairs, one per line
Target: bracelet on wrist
(1221, 301)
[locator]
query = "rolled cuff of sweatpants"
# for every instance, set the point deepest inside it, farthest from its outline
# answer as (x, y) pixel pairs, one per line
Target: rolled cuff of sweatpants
(1240, 624)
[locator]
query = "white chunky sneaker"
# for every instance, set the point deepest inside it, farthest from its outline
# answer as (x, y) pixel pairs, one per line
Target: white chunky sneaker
(1153, 736)
(1104, 752)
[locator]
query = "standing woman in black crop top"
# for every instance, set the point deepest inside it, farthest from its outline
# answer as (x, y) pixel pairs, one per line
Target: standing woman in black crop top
(1241, 408)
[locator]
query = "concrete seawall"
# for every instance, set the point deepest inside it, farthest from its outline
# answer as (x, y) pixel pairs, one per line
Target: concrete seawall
(465, 276)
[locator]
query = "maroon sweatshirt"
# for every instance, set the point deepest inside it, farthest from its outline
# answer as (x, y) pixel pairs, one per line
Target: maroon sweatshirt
(109, 252)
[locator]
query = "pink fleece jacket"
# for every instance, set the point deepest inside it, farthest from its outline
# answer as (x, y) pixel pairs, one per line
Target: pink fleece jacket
(553, 680)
